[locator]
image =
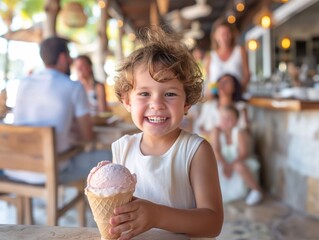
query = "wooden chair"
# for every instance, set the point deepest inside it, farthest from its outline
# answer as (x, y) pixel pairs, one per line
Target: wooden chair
(31, 148)
(17, 202)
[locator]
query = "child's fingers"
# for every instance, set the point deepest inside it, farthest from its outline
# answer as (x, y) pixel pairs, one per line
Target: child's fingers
(128, 207)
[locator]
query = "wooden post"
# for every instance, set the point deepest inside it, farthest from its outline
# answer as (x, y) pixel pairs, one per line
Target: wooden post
(120, 54)
(51, 8)
(102, 50)
(154, 18)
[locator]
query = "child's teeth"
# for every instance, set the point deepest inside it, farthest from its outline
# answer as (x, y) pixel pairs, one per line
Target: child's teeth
(156, 119)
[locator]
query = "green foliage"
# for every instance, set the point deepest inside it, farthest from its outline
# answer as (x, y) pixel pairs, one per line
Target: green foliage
(9, 4)
(31, 7)
(24, 8)
(28, 8)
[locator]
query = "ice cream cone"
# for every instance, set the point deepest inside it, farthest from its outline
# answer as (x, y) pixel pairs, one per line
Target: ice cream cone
(102, 209)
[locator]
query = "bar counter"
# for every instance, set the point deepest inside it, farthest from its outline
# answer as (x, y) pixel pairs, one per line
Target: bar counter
(283, 104)
(286, 140)
(40, 232)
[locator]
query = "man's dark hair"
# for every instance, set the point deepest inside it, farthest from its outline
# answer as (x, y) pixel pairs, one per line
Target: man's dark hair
(51, 48)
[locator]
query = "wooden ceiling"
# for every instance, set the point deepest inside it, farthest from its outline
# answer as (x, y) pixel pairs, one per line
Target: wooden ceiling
(141, 13)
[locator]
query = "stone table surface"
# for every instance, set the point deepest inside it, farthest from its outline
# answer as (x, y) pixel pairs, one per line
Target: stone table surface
(269, 220)
(15, 232)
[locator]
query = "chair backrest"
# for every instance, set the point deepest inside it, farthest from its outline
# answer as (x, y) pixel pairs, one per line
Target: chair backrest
(32, 148)
(28, 148)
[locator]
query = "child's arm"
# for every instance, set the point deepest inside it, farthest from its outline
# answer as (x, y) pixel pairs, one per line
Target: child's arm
(203, 221)
(243, 147)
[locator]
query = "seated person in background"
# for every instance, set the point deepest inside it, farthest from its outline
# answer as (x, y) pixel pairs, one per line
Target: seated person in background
(228, 92)
(95, 90)
(238, 170)
(51, 98)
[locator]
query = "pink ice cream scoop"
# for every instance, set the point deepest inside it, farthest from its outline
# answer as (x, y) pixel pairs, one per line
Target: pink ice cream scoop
(108, 179)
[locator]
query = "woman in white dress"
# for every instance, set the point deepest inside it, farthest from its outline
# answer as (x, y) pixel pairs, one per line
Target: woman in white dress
(226, 56)
(94, 89)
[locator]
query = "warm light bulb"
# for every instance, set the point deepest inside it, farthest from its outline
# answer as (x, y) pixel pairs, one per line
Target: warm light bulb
(285, 43)
(120, 23)
(101, 4)
(240, 7)
(252, 44)
(265, 21)
(282, 67)
(231, 19)
(131, 36)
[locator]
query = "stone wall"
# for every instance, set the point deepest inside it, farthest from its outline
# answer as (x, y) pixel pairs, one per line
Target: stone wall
(287, 144)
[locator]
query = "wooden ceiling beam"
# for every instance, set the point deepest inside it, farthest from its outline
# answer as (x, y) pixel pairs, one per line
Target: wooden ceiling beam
(247, 19)
(116, 12)
(162, 6)
(154, 14)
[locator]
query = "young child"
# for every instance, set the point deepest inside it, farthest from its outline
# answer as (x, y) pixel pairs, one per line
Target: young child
(177, 178)
(237, 169)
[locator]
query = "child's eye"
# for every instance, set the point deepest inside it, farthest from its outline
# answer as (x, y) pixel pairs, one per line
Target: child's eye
(170, 94)
(144, 94)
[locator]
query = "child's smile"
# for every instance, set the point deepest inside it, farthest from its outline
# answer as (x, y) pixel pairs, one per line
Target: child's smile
(155, 119)
(157, 108)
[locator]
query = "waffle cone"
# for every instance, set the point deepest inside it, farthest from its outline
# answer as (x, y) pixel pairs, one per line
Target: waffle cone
(102, 209)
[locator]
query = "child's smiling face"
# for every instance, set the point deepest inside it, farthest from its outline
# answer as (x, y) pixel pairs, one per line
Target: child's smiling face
(157, 108)
(228, 119)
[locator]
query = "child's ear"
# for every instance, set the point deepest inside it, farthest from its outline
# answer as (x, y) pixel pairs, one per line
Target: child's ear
(126, 103)
(186, 108)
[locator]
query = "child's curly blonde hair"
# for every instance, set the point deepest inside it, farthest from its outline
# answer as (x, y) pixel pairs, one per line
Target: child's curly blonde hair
(161, 53)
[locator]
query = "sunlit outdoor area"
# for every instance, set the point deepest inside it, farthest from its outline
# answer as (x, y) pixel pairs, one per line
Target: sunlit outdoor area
(20, 55)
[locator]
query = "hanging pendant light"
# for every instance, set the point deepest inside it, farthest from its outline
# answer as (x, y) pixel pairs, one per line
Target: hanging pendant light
(230, 15)
(264, 18)
(195, 32)
(239, 5)
(73, 15)
(200, 9)
(252, 44)
(285, 43)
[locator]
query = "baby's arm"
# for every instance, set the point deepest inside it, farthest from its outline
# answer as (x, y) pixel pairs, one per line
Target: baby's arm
(203, 221)
(243, 146)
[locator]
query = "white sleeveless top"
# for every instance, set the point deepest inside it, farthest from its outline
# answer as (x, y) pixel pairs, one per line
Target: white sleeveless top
(210, 115)
(233, 65)
(229, 151)
(93, 103)
(161, 179)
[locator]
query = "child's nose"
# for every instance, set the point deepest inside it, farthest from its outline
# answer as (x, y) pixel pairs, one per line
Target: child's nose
(157, 103)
